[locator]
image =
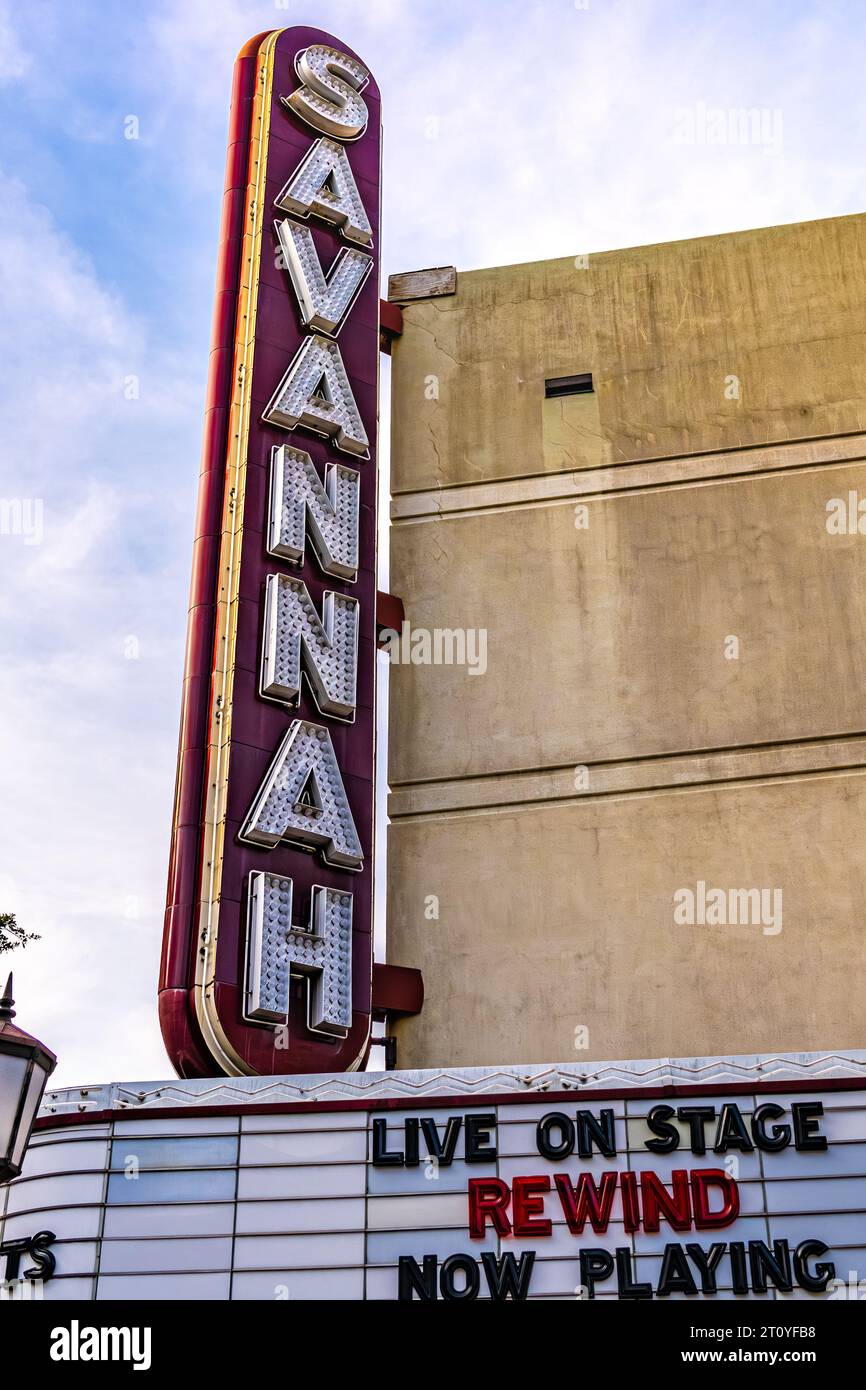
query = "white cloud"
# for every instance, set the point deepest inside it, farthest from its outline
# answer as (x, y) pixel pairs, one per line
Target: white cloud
(87, 740)
(14, 61)
(526, 129)
(71, 343)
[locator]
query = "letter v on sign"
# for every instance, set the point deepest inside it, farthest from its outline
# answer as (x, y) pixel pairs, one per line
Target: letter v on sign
(324, 300)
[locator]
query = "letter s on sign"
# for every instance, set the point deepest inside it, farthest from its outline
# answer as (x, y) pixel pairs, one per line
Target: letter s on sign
(329, 99)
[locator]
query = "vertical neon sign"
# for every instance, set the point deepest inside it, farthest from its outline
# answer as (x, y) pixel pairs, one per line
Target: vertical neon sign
(267, 953)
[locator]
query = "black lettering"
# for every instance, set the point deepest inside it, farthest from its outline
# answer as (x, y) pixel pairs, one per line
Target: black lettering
(779, 1137)
(412, 1279)
(731, 1132)
(775, 1264)
(44, 1262)
(508, 1277)
(707, 1261)
(626, 1288)
(442, 1151)
(739, 1281)
(675, 1276)
(478, 1131)
(547, 1145)
(817, 1282)
(668, 1134)
(805, 1115)
(599, 1131)
(382, 1157)
(454, 1265)
(696, 1116)
(595, 1265)
(413, 1148)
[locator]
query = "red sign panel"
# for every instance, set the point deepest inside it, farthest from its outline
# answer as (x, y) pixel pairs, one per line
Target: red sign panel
(267, 954)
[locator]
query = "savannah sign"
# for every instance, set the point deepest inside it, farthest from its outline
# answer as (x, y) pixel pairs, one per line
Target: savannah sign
(267, 958)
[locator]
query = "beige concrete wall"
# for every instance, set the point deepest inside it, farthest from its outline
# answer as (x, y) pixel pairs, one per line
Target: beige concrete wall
(545, 813)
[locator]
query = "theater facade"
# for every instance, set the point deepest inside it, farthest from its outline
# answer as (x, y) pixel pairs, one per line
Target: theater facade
(699, 1178)
(626, 774)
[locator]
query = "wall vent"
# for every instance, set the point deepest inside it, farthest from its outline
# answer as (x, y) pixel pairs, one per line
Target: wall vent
(568, 385)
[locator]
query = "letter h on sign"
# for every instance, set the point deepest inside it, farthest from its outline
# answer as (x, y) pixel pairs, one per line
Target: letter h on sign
(322, 952)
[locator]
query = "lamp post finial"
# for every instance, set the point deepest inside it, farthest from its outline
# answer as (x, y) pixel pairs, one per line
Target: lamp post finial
(6, 1002)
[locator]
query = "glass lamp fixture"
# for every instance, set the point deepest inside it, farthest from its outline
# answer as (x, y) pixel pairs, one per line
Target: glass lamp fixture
(25, 1066)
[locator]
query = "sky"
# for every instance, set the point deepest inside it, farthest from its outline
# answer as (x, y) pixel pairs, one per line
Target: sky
(515, 130)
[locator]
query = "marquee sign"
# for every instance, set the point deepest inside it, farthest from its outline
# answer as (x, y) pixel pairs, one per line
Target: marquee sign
(267, 956)
(603, 1211)
(698, 1178)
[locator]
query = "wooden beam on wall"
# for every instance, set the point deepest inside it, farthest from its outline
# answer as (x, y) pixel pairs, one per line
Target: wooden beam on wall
(422, 284)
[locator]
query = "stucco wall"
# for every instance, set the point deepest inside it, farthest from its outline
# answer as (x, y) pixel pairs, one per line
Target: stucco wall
(620, 746)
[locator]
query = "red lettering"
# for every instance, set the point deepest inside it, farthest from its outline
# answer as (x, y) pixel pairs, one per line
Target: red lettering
(527, 1210)
(702, 1180)
(630, 1207)
(646, 1200)
(657, 1201)
(488, 1199)
(586, 1200)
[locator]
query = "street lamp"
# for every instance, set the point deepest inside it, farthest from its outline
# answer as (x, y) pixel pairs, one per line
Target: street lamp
(25, 1066)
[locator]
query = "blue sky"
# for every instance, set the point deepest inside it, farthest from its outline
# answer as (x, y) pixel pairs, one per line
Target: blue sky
(514, 131)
